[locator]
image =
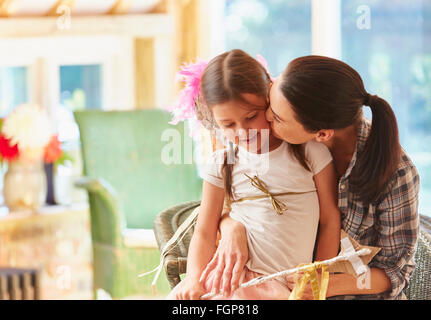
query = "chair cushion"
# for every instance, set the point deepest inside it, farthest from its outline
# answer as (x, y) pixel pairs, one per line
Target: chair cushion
(139, 238)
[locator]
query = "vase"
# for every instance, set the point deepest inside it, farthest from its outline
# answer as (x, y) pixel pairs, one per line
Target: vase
(25, 185)
(50, 195)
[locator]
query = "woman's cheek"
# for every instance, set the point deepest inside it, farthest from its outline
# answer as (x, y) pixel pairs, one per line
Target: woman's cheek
(278, 130)
(285, 134)
(262, 123)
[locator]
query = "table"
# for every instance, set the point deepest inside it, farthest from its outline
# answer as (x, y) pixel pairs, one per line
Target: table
(57, 241)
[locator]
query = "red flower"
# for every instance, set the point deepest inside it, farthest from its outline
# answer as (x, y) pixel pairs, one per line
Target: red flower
(53, 150)
(7, 151)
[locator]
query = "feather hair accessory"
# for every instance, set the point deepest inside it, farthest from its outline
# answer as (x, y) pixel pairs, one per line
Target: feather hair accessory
(184, 105)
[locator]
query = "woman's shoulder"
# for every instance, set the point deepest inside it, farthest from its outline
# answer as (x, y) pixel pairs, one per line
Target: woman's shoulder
(405, 167)
(405, 181)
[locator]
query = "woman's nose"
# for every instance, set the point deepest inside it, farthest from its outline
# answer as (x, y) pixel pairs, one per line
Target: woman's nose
(269, 115)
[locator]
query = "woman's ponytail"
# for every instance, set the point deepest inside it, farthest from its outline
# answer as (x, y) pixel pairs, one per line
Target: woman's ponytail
(379, 158)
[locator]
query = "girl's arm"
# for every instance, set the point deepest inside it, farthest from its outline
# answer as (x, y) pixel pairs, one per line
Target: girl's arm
(328, 240)
(203, 242)
(230, 258)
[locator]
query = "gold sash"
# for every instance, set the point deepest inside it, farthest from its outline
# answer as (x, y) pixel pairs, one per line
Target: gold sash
(278, 205)
(311, 275)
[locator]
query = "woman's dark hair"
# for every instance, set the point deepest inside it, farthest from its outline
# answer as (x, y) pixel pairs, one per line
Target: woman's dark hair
(327, 93)
(226, 78)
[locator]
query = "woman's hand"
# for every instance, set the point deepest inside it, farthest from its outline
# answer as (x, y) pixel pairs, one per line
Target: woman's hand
(230, 258)
(307, 293)
(189, 289)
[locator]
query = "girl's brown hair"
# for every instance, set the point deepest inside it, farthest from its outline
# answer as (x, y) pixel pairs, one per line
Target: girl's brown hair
(226, 78)
(326, 93)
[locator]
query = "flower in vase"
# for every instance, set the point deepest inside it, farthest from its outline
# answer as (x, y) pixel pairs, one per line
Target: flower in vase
(8, 151)
(53, 150)
(29, 127)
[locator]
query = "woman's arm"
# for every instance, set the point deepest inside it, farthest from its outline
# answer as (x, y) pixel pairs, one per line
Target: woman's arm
(328, 240)
(203, 242)
(374, 281)
(397, 222)
(398, 226)
(230, 257)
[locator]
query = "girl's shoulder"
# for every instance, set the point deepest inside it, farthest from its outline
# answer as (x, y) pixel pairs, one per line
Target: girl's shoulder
(317, 155)
(216, 157)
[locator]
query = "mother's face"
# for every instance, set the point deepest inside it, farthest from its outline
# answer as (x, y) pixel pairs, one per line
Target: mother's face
(282, 118)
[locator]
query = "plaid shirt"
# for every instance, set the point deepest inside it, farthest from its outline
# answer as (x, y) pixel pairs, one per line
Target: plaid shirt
(391, 224)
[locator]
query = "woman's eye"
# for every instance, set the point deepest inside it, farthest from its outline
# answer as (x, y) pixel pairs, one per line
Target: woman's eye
(230, 125)
(252, 117)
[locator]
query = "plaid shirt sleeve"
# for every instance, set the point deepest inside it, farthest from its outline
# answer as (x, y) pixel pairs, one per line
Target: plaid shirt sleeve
(397, 219)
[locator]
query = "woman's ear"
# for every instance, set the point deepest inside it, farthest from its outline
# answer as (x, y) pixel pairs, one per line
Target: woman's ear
(324, 135)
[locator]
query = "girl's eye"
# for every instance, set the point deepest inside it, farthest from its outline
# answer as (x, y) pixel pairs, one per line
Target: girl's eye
(230, 125)
(252, 117)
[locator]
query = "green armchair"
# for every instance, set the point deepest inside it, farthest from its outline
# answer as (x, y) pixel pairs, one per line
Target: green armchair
(128, 183)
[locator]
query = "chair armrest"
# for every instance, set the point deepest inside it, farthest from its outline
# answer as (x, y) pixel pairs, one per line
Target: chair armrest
(108, 219)
(139, 238)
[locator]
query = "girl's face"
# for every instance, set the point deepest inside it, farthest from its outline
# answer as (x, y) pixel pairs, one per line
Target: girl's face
(282, 118)
(243, 125)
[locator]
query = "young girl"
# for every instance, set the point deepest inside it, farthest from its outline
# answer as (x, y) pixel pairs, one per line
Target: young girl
(281, 192)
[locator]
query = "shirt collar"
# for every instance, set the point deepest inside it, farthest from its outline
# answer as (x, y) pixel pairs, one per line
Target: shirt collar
(363, 131)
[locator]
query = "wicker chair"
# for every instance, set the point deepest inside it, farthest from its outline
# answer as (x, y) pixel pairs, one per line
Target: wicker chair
(165, 225)
(168, 221)
(420, 282)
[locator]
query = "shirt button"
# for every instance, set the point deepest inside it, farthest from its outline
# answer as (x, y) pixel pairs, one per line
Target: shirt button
(342, 187)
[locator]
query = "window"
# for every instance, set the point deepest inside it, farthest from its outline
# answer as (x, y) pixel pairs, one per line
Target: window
(392, 52)
(13, 88)
(278, 30)
(387, 42)
(81, 87)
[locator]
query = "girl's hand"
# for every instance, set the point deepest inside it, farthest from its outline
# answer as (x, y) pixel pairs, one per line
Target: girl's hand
(189, 289)
(230, 258)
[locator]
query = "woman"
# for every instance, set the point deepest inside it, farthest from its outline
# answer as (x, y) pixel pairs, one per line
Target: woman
(322, 98)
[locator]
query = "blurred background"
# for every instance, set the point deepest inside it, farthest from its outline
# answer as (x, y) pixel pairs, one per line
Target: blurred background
(78, 58)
